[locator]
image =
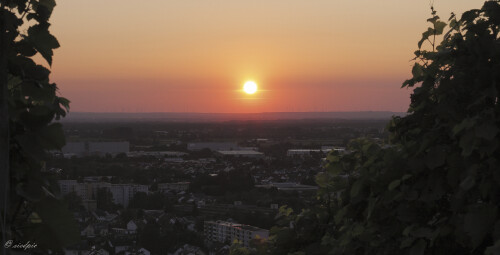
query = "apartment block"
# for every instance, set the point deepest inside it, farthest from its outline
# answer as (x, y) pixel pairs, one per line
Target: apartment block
(122, 193)
(224, 232)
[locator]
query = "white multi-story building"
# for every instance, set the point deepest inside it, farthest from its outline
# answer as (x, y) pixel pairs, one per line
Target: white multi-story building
(83, 190)
(67, 186)
(223, 232)
(96, 186)
(123, 193)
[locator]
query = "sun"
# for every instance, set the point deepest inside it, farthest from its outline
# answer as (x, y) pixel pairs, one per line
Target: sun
(250, 87)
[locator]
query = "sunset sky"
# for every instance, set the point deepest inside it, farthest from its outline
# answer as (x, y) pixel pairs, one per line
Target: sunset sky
(195, 56)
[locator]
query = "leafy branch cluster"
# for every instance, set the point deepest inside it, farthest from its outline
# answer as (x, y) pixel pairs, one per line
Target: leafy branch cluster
(33, 103)
(435, 188)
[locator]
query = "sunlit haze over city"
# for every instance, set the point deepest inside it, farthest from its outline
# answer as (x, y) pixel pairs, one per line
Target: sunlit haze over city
(195, 56)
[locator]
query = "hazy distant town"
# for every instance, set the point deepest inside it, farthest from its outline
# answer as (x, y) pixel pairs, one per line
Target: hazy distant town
(187, 187)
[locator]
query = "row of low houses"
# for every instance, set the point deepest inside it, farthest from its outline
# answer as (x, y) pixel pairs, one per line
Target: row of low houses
(112, 235)
(176, 186)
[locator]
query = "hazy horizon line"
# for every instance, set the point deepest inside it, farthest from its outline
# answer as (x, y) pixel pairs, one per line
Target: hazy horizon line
(194, 112)
(196, 116)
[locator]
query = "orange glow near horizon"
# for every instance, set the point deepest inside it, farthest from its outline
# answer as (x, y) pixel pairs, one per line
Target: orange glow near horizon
(187, 56)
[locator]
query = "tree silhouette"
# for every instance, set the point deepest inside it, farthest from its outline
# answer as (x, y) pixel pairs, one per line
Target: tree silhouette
(28, 105)
(434, 189)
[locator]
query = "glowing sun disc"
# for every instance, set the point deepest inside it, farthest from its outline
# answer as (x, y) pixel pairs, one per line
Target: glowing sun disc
(250, 87)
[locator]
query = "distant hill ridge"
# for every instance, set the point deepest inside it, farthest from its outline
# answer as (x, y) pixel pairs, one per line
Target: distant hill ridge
(191, 116)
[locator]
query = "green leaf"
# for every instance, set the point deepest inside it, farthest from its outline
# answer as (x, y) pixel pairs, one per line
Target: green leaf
(31, 190)
(493, 250)
(412, 195)
(34, 218)
(332, 157)
(439, 27)
(370, 148)
(64, 102)
(37, 91)
(407, 230)
(422, 232)
(418, 248)
(44, 42)
(486, 131)
(356, 189)
(13, 82)
(31, 16)
(435, 157)
(469, 15)
(433, 20)
(467, 142)
(417, 71)
(468, 183)
(30, 148)
(25, 48)
(52, 136)
(286, 211)
(408, 83)
(371, 205)
(407, 242)
(57, 228)
(339, 216)
(464, 125)
(49, 4)
(394, 184)
(425, 36)
(11, 20)
(322, 180)
(334, 168)
(478, 222)
(357, 230)
(406, 177)
(453, 23)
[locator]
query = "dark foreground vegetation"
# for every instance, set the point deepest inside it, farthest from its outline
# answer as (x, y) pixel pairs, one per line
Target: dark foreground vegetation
(434, 188)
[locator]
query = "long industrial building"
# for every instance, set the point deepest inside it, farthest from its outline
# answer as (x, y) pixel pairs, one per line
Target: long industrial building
(212, 146)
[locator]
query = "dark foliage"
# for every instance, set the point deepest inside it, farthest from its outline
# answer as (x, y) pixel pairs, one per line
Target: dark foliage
(435, 188)
(33, 212)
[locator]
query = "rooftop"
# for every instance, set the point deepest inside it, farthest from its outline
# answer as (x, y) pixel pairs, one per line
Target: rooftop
(242, 152)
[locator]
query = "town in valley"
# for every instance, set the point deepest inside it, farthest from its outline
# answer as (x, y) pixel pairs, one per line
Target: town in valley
(192, 187)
